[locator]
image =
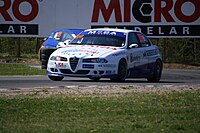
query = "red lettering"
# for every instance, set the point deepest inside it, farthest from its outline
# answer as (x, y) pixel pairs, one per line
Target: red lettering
(163, 8)
(182, 17)
(99, 5)
(127, 16)
(16, 12)
(31, 15)
(3, 10)
(163, 11)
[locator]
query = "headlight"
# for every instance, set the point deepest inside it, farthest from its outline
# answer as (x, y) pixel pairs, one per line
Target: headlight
(58, 58)
(95, 60)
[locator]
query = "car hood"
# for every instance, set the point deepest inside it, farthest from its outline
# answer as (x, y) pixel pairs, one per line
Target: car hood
(50, 43)
(85, 51)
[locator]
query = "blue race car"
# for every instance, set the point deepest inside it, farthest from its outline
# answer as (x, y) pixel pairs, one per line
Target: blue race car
(57, 39)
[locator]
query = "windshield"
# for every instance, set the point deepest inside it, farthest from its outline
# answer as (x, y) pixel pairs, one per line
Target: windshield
(62, 36)
(102, 40)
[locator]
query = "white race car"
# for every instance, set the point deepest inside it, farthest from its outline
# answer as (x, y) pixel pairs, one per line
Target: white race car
(107, 53)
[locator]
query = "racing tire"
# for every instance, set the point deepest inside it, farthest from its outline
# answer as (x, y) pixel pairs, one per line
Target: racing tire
(44, 63)
(44, 57)
(55, 78)
(157, 72)
(122, 72)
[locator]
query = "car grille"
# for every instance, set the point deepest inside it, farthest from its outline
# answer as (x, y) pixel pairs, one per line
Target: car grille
(67, 71)
(73, 62)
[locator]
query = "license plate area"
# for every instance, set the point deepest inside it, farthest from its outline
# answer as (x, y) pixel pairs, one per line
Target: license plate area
(61, 65)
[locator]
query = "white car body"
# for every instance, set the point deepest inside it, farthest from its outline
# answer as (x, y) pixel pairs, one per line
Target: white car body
(134, 56)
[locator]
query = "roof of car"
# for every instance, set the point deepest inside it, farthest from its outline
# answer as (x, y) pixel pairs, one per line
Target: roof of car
(112, 29)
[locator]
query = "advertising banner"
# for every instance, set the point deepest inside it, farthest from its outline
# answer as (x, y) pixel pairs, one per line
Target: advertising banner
(155, 18)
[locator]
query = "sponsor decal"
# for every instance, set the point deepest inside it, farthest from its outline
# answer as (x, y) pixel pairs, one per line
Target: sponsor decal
(84, 50)
(88, 66)
(150, 52)
(134, 58)
(107, 65)
(119, 53)
(94, 47)
(103, 47)
(89, 51)
(102, 32)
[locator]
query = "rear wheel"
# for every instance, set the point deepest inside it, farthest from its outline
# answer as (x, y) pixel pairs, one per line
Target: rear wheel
(157, 71)
(55, 78)
(122, 71)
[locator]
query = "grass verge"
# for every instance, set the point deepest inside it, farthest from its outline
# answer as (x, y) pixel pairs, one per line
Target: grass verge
(24, 59)
(134, 112)
(19, 69)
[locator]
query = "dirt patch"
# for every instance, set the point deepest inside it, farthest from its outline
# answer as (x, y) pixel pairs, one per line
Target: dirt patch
(97, 90)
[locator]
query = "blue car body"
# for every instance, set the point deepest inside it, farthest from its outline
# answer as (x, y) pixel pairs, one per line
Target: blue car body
(52, 43)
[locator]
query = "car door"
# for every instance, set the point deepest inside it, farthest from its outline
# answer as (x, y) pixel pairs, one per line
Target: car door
(135, 53)
(145, 46)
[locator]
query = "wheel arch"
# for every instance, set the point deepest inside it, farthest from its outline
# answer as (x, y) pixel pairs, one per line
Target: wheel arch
(121, 72)
(159, 59)
(123, 59)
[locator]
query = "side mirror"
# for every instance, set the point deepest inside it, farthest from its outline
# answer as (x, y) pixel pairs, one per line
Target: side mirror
(134, 45)
(44, 39)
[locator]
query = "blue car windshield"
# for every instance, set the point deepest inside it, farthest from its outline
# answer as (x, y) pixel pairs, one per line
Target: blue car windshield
(101, 40)
(62, 36)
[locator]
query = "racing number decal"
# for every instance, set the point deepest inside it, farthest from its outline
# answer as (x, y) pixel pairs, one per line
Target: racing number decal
(60, 64)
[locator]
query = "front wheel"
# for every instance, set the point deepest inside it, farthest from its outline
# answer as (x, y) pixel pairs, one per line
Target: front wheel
(157, 71)
(55, 78)
(122, 72)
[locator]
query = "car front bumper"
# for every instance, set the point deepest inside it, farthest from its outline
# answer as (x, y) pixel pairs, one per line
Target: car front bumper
(91, 70)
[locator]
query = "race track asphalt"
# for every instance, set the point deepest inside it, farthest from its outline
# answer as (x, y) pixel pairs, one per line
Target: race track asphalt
(169, 77)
